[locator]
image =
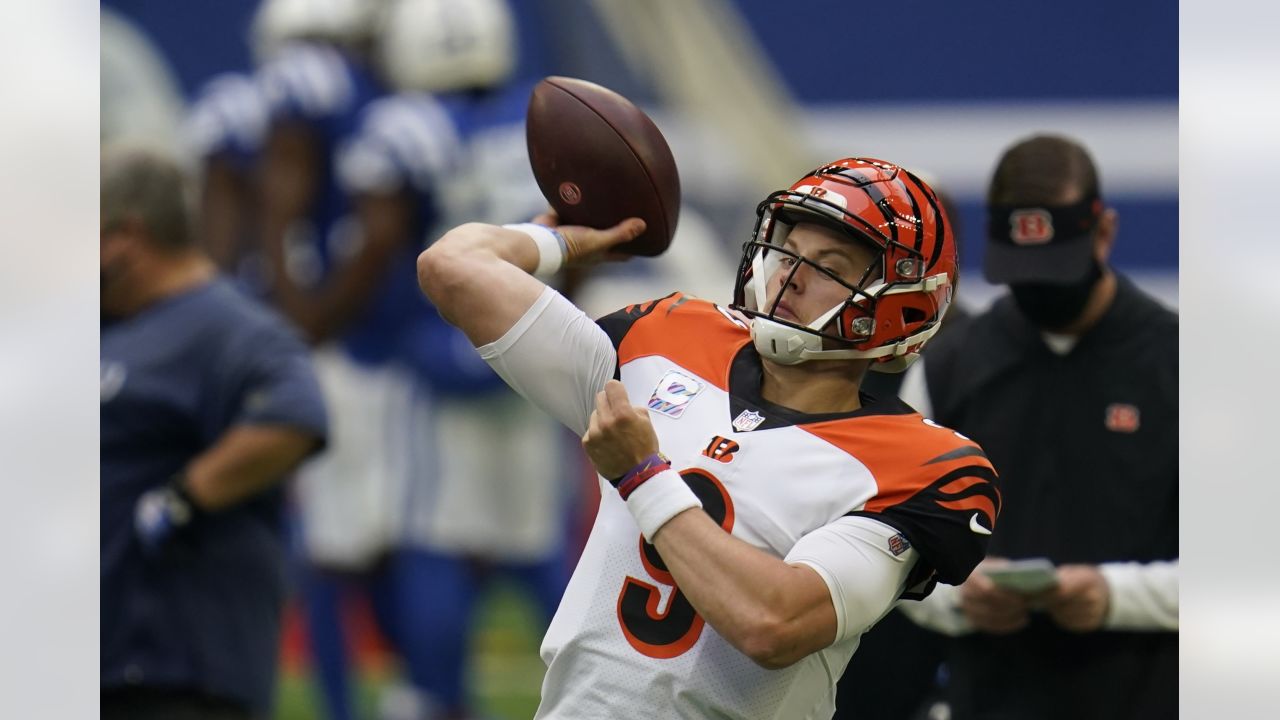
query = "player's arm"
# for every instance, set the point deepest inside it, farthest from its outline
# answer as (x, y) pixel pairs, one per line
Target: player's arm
(291, 169)
(245, 461)
(385, 221)
(778, 611)
(290, 174)
(834, 585)
(480, 277)
(264, 383)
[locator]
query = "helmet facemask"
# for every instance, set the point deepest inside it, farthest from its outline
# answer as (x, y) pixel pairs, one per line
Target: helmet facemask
(875, 320)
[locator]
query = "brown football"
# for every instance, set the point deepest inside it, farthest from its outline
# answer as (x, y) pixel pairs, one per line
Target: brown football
(599, 160)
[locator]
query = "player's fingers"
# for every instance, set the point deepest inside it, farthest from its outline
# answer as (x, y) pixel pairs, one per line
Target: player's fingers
(628, 230)
(586, 242)
(616, 397)
(603, 411)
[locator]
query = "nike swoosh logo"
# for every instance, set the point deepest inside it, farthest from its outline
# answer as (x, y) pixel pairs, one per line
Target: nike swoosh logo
(975, 526)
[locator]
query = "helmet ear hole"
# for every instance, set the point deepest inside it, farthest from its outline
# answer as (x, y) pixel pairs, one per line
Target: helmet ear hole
(912, 315)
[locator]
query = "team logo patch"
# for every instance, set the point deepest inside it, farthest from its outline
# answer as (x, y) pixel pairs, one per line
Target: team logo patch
(1030, 227)
(1123, 418)
(673, 393)
(899, 544)
(721, 448)
(822, 194)
(747, 421)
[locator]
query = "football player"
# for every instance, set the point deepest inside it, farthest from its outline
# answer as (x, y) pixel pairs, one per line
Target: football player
(451, 142)
(758, 512)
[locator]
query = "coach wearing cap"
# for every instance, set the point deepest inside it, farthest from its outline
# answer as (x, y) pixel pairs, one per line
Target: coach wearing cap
(1070, 383)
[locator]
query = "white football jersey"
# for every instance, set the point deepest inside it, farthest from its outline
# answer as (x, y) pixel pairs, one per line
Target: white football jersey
(625, 641)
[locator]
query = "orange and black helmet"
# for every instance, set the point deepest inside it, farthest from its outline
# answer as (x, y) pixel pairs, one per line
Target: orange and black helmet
(897, 305)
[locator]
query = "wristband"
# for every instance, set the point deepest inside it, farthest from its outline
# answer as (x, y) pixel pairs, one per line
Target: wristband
(163, 511)
(552, 248)
(636, 476)
(655, 494)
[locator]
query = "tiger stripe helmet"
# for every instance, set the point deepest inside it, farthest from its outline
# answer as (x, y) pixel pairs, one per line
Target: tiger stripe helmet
(899, 303)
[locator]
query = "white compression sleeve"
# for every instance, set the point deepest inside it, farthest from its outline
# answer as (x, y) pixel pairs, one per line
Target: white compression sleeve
(556, 357)
(865, 577)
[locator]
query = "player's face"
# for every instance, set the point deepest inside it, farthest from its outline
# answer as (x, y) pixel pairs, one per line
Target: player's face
(809, 293)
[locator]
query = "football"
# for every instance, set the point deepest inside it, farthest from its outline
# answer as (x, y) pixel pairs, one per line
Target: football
(599, 159)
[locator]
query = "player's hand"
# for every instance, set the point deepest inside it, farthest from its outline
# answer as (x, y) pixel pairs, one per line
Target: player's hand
(160, 514)
(620, 434)
(1080, 601)
(991, 608)
(588, 246)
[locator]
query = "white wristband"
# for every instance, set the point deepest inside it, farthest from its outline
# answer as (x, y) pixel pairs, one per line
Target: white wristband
(659, 499)
(551, 247)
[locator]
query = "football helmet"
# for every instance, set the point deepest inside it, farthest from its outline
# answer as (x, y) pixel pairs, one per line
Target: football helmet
(447, 45)
(278, 23)
(900, 300)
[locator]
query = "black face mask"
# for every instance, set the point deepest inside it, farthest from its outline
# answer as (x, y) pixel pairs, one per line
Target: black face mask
(1053, 307)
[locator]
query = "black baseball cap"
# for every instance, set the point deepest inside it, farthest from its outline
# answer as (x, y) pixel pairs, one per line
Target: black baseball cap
(1040, 244)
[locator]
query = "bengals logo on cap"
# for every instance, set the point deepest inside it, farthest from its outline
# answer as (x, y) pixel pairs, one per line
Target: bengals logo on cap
(1032, 226)
(1123, 418)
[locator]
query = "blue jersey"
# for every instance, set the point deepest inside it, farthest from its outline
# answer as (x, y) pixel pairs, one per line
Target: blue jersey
(414, 143)
(205, 613)
(411, 144)
(322, 89)
(499, 157)
(461, 157)
(228, 118)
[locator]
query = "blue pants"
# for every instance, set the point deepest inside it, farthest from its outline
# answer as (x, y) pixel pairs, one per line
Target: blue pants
(437, 595)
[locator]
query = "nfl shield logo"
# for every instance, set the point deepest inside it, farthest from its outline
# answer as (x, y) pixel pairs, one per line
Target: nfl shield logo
(747, 421)
(899, 544)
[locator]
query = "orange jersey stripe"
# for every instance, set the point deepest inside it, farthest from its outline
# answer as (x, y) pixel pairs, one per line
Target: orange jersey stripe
(694, 334)
(904, 454)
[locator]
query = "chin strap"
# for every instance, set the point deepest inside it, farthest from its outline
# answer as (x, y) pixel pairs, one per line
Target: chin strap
(789, 346)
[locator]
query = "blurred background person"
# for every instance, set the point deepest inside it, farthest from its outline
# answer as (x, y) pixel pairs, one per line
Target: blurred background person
(451, 144)
(208, 401)
(222, 133)
(140, 101)
(315, 77)
(1070, 382)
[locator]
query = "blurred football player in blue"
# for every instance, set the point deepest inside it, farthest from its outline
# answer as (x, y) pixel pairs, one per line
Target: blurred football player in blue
(450, 146)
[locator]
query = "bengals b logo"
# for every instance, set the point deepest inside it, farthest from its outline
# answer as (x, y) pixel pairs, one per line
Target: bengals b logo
(721, 448)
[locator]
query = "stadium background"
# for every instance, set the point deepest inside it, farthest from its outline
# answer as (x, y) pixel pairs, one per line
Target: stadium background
(944, 95)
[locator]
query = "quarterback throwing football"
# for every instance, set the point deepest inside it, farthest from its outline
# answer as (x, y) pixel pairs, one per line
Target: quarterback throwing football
(760, 513)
